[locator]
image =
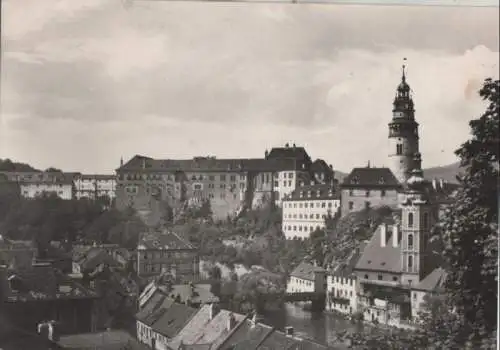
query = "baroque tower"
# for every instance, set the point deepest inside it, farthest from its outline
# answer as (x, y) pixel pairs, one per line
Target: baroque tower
(416, 222)
(403, 133)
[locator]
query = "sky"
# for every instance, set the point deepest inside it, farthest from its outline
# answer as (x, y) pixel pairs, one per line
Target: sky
(86, 82)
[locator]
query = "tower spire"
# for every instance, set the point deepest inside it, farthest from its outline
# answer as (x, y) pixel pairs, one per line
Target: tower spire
(403, 77)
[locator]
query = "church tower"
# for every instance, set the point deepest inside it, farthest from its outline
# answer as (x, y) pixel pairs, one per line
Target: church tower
(416, 222)
(403, 133)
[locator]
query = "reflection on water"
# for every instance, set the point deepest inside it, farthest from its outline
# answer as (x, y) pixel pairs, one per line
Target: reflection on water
(317, 326)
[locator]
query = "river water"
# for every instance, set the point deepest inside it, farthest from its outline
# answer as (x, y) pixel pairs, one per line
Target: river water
(321, 327)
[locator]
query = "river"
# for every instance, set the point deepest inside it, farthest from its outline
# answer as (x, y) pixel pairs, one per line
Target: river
(318, 326)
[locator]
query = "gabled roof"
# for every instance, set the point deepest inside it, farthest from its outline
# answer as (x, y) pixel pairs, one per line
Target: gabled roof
(371, 177)
(247, 336)
(378, 258)
(95, 257)
(432, 281)
(163, 240)
(203, 330)
(346, 269)
(320, 166)
(164, 315)
(306, 271)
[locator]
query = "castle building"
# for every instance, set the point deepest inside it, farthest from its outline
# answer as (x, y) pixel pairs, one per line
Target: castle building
(95, 186)
(231, 185)
(306, 209)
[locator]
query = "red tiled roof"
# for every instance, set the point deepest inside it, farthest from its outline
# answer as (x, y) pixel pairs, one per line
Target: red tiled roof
(371, 177)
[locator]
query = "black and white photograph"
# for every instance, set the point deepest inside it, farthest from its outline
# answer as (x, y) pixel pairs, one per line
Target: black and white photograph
(249, 174)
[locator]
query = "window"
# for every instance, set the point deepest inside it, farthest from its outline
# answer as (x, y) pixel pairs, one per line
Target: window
(323, 205)
(425, 220)
(382, 193)
(367, 205)
(329, 204)
(399, 149)
(276, 184)
(351, 205)
(379, 277)
(410, 264)
(366, 277)
(223, 177)
(351, 192)
(410, 219)
(410, 241)
(289, 183)
(367, 194)
(233, 178)
(395, 279)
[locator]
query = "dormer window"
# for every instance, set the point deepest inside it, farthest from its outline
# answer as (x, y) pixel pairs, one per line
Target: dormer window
(301, 194)
(381, 181)
(355, 180)
(318, 193)
(309, 194)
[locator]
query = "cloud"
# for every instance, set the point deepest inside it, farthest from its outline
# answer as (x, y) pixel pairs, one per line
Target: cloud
(99, 81)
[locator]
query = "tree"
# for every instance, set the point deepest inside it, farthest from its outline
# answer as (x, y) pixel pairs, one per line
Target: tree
(470, 229)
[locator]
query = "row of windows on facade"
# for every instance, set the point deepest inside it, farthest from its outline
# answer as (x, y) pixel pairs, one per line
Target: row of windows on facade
(341, 306)
(171, 177)
(38, 193)
(160, 254)
(331, 204)
(305, 216)
(303, 282)
(367, 205)
(343, 280)
(355, 180)
(368, 193)
(340, 293)
(318, 193)
(47, 185)
(304, 228)
(395, 278)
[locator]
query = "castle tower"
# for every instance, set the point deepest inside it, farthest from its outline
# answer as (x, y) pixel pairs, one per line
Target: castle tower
(403, 133)
(416, 222)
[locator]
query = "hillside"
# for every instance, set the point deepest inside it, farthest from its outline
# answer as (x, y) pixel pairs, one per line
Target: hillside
(446, 172)
(8, 165)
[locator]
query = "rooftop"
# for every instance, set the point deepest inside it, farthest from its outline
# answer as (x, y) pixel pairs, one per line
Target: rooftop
(206, 164)
(432, 281)
(314, 192)
(163, 240)
(109, 340)
(306, 271)
(346, 269)
(247, 336)
(41, 283)
(371, 177)
(165, 316)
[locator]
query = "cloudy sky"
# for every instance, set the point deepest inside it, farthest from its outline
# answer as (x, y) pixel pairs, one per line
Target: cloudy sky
(85, 82)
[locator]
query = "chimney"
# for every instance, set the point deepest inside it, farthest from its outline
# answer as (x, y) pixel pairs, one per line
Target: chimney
(434, 184)
(266, 153)
(121, 162)
(49, 330)
(289, 331)
(441, 184)
(214, 310)
(294, 146)
(255, 319)
(231, 322)
(383, 234)
(395, 235)
(287, 145)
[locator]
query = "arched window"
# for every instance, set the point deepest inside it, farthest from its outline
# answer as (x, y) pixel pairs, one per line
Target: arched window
(410, 219)
(410, 241)
(410, 263)
(399, 149)
(426, 220)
